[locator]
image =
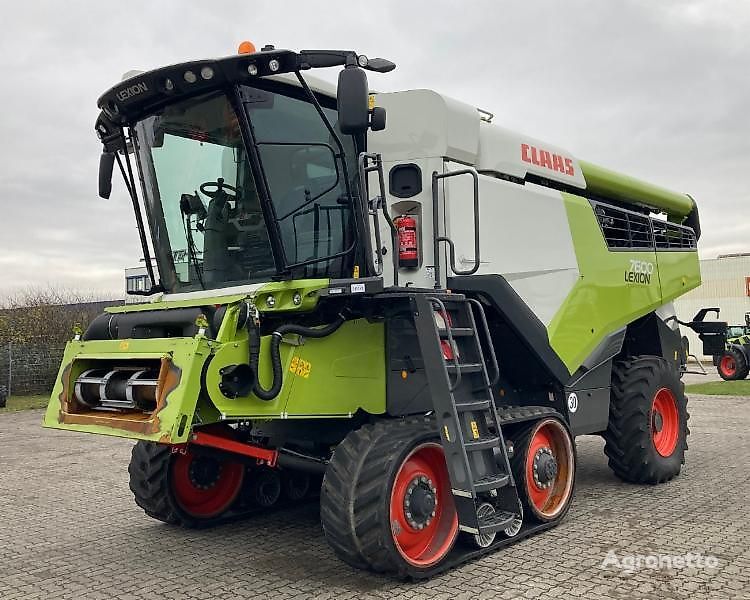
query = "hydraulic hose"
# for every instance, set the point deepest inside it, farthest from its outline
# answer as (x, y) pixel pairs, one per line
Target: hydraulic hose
(276, 337)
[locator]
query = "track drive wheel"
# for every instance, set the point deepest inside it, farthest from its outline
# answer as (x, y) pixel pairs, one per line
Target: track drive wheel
(386, 502)
(544, 466)
(647, 434)
(733, 365)
(190, 489)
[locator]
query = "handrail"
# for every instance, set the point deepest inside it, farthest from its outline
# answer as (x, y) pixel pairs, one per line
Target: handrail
(490, 346)
(372, 208)
(436, 224)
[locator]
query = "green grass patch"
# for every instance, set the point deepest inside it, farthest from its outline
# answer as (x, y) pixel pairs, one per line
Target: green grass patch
(16, 403)
(721, 388)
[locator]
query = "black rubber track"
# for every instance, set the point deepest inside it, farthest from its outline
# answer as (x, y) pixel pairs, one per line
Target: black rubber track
(521, 438)
(740, 361)
(628, 440)
(149, 482)
(355, 497)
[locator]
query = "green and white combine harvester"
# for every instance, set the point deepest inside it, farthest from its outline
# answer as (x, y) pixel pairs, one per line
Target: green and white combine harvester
(422, 315)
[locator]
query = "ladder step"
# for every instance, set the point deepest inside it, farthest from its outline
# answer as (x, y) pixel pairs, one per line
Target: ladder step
(472, 405)
(456, 332)
(495, 522)
(465, 368)
(482, 443)
(491, 482)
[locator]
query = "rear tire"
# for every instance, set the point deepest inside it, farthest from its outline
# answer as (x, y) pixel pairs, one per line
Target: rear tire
(178, 489)
(732, 365)
(372, 473)
(647, 434)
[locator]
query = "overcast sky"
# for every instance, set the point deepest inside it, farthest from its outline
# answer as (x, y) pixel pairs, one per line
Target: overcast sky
(657, 89)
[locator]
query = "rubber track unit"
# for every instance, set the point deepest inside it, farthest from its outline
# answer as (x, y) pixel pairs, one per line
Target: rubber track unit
(628, 439)
(148, 469)
(363, 459)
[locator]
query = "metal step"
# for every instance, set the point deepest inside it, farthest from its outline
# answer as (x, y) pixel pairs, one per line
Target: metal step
(482, 443)
(456, 332)
(472, 405)
(465, 368)
(496, 522)
(491, 482)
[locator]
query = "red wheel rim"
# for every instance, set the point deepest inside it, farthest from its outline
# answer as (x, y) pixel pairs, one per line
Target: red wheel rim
(549, 498)
(205, 486)
(727, 365)
(665, 422)
(426, 546)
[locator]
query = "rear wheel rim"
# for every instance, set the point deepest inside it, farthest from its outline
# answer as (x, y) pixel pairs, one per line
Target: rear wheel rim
(423, 531)
(727, 365)
(549, 469)
(665, 422)
(205, 486)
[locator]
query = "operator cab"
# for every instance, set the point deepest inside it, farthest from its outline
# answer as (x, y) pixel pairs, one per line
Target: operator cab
(245, 177)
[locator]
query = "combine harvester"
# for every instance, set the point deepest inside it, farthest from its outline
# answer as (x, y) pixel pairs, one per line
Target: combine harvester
(424, 314)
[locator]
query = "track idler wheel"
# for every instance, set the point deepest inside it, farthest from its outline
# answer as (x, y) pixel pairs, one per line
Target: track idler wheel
(544, 469)
(295, 484)
(265, 487)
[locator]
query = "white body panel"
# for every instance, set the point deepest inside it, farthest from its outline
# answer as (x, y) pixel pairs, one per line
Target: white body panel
(422, 124)
(524, 236)
(524, 230)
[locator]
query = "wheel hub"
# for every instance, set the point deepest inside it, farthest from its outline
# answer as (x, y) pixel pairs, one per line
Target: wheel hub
(545, 468)
(420, 502)
(657, 421)
(204, 472)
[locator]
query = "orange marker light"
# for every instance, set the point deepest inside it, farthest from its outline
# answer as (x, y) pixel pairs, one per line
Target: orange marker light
(246, 48)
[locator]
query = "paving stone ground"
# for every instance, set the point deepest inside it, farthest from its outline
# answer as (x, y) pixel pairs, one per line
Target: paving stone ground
(69, 529)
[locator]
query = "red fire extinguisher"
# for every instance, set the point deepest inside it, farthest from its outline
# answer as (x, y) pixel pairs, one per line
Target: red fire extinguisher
(407, 241)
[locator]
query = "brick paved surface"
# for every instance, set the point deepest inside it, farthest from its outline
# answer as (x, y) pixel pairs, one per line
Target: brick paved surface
(68, 529)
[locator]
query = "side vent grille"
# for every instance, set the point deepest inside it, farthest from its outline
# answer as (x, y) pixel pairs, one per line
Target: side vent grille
(628, 230)
(623, 229)
(669, 236)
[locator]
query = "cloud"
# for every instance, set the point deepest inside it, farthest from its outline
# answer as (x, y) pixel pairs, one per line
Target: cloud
(657, 90)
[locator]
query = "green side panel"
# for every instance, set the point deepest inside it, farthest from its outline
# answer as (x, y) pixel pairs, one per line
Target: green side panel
(603, 300)
(627, 189)
(679, 272)
(170, 423)
(327, 377)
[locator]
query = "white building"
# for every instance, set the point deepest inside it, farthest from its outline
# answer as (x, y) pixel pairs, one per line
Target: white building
(726, 285)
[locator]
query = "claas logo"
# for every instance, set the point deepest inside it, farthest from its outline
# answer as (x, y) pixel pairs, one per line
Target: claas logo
(546, 159)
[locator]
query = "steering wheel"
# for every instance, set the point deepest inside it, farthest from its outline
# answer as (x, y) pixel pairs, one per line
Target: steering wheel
(213, 189)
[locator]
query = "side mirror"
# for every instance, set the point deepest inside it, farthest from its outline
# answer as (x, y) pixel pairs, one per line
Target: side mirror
(106, 165)
(377, 121)
(352, 96)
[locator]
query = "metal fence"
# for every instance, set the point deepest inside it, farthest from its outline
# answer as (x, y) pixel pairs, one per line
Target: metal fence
(29, 368)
